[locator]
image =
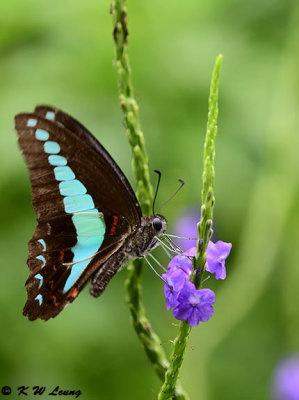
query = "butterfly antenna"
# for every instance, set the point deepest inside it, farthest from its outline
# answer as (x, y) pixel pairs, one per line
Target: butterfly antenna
(174, 194)
(158, 184)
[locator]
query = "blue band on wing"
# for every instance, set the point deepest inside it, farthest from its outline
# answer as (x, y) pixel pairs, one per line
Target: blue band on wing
(72, 188)
(42, 258)
(42, 242)
(41, 134)
(31, 122)
(90, 236)
(57, 160)
(51, 147)
(64, 173)
(39, 297)
(38, 276)
(50, 115)
(81, 202)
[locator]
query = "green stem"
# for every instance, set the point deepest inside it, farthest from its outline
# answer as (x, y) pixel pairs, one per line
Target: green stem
(208, 177)
(147, 336)
(204, 232)
(130, 107)
(176, 360)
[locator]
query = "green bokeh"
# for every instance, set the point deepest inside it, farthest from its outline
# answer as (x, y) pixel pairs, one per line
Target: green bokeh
(60, 53)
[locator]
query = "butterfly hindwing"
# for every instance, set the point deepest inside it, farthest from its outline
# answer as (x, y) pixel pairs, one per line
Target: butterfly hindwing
(54, 280)
(46, 270)
(84, 205)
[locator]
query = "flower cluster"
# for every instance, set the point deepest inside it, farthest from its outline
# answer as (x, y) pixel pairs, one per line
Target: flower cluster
(189, 303)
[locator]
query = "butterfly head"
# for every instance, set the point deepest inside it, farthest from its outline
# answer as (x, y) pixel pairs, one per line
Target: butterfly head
(145, 236)
(158, 224)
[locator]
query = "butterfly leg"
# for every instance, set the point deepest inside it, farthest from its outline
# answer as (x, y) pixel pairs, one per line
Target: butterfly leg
(105, 273)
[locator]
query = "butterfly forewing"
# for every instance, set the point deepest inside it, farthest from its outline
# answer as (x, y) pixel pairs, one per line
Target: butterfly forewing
(84, 205)
(126, 201)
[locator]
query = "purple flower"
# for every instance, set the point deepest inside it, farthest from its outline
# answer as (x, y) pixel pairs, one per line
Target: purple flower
(174, 281)
(189, 303)
(194, 305)
(181, 262)
(186, 226)
(190, 252)
(216, 256)
(286, 379)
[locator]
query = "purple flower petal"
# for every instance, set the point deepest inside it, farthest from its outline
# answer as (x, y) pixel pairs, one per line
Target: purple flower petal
(182, 311)
(171, 298)
(216, 255)
(187, 290)
(193, 319)
(194, 305)
(186, 226)
(190, 252)
(174, 281)
(219, 249)
(207, 296)
(181, 262)
(286, 379)
(205, 312)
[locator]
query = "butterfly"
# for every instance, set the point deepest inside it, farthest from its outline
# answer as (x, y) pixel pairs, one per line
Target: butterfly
(89, 222)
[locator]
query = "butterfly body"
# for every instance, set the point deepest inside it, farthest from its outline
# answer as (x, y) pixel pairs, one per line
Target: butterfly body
(89, 222)
(139, 244)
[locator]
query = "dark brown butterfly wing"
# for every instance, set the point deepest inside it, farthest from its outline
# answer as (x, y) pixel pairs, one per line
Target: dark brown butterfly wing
(85, 208)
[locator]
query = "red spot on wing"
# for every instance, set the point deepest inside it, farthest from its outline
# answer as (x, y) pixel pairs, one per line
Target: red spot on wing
(72, 293)
(55, 302)
(62, 254)
(113, 226)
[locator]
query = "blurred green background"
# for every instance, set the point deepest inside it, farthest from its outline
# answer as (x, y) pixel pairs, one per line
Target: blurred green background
(60, 53)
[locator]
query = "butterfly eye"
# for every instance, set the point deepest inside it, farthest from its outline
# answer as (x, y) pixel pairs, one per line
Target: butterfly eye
(157, 224)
